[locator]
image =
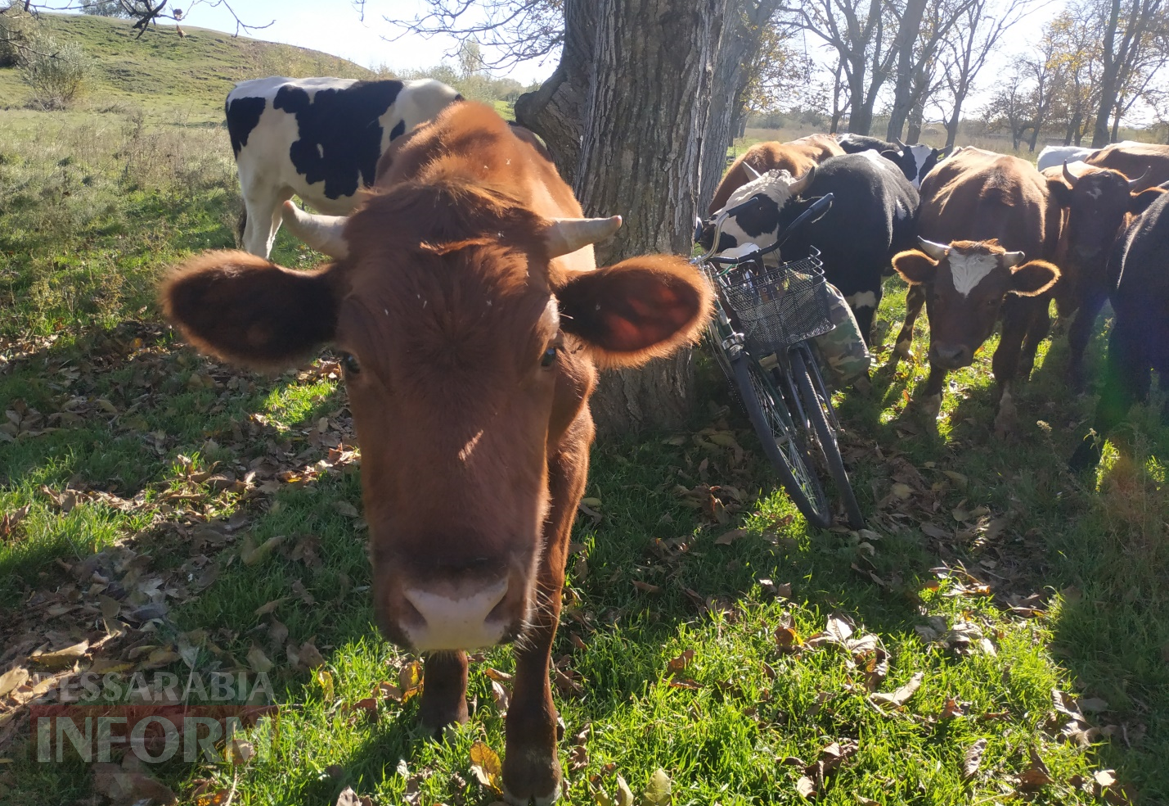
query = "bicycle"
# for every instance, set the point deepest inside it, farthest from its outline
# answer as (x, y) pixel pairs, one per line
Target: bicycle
(765, 317)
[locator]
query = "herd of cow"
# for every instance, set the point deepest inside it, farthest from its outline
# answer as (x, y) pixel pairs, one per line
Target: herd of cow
(464, 299)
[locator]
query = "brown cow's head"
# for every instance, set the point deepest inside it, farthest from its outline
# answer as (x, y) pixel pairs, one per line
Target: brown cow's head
(966, 284)
(469, 355)
(1099, 202)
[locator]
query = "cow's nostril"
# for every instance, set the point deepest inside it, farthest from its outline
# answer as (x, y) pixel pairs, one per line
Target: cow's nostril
(463, 616)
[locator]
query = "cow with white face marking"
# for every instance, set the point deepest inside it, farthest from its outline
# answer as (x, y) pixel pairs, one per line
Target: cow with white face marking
(319, 138)
(988, 227)
(874, 215)
(915, 161)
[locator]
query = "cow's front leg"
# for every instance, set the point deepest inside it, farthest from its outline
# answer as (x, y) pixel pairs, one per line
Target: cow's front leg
(531, 770)
(915, 300)
(932, 393)
(444, 697)
(1004, 365)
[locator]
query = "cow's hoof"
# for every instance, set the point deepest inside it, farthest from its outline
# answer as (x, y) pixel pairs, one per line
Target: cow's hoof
(902, 350)
(1005, 420)
(931, 406)
(516, 800)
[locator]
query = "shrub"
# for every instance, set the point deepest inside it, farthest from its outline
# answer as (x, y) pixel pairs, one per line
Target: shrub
(56, 73)
(15, 29)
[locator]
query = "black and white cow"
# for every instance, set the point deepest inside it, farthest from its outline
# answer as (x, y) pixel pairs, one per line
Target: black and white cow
(915, 161)
(319, 138)
(1141, 325)
(874, 216)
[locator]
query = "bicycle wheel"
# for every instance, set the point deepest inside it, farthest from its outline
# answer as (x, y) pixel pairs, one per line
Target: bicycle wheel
(783, 443)
(819, 410)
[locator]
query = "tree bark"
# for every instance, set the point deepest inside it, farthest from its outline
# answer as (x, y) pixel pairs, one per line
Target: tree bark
(556, 111)
(741, 29)
(641, 157)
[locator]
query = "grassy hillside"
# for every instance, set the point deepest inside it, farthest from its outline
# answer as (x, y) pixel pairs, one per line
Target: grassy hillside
(162, 71)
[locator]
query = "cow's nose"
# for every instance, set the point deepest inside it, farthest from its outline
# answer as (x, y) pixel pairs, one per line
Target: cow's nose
(951, 355)
(456, 616)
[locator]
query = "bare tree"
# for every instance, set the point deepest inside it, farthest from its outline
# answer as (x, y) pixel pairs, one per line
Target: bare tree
(1077, 42)
(1131, 26)
(975, 35)
(1013, 105)
(858, 31)
(513, 31)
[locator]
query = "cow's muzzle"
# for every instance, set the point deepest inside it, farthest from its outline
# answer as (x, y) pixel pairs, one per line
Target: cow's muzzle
(951, 356)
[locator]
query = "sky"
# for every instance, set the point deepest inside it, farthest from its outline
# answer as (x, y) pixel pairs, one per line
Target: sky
(336, 27)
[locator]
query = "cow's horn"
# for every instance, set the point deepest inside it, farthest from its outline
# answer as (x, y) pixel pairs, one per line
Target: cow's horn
(321, 232)
(937, 251)
(900, 144)
(1135, 183)
(570, 234)
(1070, 177)
(751, 172)
(800, 185)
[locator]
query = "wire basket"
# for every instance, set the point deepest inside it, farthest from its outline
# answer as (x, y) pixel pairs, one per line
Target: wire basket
(779, 306)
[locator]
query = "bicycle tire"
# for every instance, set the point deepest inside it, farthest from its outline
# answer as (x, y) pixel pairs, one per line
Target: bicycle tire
(818, 408)
(784, 446)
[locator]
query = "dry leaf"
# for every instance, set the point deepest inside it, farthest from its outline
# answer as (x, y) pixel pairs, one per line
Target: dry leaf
(973, 757)
(900, 696)
(61, 658)
(727, 538)
(658, 790)
(12, 679)
(806, 787)
(486, 767)
(350, 798)
(258, 660)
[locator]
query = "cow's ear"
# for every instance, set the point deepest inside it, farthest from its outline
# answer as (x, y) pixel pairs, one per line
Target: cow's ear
(1138, 202)
(1059, 190)
(639, 309)
(1034, 277)
(915, 267)
(248, 311)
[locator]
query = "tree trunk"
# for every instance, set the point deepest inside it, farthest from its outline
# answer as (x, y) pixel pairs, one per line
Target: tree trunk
(641, 157)
(556, 111)
(860, 113)
(903, 96)
(914, 122)
(1109, 76)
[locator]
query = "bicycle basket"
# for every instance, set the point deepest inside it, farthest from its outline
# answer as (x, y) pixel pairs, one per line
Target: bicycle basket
(781, 305)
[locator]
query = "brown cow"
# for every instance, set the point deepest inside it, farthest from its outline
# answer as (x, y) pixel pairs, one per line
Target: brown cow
(1149, 162)
(976, 207)
(796, 157)
(1098, 206)
(470, 316)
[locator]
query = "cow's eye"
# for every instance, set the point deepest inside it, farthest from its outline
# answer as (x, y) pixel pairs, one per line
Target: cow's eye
(351, 365)
(549, 357)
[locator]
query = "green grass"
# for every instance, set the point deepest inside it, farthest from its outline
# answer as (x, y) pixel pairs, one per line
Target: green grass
(128, 450)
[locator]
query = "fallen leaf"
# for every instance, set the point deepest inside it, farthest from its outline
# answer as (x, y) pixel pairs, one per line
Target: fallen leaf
(727, 538)
(900, 696)
(625, 797)
(658, 790)
(258, 660)
(806, 787)
(62, 657)
(486, 767)
(350, 798)
(973, 757)
(125, 787)
(12, 679)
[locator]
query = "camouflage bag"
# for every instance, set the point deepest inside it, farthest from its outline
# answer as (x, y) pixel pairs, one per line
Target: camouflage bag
(842, 351)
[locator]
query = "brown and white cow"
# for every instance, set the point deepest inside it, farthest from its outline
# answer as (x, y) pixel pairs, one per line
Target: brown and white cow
(1149, 161)
(1098, 206)
(986, 221)
(796, 157)
(472, 319)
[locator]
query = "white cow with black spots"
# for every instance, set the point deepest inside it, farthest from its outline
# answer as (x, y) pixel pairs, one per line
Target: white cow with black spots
(318, 138)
